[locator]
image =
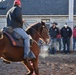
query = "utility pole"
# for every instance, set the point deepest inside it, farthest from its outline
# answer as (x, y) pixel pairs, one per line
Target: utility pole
(71, 12)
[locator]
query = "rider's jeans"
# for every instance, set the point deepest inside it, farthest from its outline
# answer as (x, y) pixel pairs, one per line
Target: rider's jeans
(26, 38)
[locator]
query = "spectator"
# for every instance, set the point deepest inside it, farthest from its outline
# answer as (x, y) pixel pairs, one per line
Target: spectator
(66, 33)
(74, 38)
(53, 31)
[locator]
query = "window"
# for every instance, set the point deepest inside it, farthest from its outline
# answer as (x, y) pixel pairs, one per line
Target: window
(47, 21)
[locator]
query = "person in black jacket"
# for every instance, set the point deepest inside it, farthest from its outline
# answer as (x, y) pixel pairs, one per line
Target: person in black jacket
(66, 33)
(14, 19)
(53, 32)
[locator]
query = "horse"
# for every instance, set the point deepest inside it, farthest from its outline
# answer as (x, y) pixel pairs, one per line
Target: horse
(15, 54)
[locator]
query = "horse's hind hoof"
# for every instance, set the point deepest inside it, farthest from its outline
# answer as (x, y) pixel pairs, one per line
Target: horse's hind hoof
(7, 62)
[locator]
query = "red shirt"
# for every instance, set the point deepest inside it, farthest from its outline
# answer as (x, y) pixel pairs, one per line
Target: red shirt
(74, 33)
(58, 36)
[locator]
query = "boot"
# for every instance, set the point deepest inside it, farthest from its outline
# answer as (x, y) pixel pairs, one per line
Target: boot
(29, 56)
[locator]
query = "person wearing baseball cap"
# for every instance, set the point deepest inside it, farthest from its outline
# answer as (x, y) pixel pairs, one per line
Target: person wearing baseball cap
(14, 20)
(66, 33)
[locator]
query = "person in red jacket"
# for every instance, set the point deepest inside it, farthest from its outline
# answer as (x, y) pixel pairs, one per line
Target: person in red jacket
(74, 38)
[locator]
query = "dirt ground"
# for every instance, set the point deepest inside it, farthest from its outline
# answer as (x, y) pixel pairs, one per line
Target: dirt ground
(58, 64)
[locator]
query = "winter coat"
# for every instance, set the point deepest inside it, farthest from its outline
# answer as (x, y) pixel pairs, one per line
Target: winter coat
(14, 17)
(53, 32)
(66, 32)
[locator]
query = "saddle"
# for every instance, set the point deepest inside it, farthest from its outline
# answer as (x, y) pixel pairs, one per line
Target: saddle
(15, 38)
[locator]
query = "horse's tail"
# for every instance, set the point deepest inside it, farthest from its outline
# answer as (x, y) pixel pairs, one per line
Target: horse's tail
(1, 34)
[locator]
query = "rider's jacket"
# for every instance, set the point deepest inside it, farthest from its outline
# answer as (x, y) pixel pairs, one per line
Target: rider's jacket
(14, 17)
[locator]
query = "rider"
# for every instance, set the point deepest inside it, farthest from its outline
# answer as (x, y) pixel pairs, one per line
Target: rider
(14, 19)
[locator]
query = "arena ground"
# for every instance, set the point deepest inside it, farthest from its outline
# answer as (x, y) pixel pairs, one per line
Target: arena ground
(58, 64)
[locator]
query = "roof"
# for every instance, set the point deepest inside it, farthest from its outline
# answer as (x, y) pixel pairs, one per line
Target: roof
(74, 7)
(40, 7)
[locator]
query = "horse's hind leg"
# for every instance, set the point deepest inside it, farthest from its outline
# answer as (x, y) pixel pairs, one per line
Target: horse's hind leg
(29, 67)
(35, 65)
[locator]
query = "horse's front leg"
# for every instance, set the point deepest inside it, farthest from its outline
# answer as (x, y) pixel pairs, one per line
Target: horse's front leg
(29, 67)
(35, 66)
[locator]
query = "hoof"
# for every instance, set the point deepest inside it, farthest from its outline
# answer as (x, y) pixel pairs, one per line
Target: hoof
(29, 73)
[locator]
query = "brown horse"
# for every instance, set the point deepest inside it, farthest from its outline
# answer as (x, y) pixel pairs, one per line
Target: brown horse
(15, 54)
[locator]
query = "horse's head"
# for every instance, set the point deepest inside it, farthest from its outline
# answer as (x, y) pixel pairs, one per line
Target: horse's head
(38, 30)
(44, 32)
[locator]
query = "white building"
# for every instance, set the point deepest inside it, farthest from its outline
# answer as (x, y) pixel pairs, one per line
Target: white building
(40, 10)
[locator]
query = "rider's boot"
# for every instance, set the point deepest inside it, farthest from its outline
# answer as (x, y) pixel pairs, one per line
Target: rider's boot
(31, 55)
(28, 54)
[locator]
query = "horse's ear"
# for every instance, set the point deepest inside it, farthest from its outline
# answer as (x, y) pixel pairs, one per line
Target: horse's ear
(43, 23)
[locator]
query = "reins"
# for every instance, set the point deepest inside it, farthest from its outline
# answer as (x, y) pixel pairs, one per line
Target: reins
(26, 25)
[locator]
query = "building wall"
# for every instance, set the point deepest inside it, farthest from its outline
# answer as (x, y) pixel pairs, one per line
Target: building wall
(2, 21)
(48, 19)
(61, 20)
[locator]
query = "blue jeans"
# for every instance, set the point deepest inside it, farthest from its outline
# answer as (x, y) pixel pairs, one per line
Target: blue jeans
(26, 38)
(59, 41)
(54, 44)
(66, 45)
(74, 43)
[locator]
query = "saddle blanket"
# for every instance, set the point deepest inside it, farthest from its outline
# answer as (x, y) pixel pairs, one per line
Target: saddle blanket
(14, 40)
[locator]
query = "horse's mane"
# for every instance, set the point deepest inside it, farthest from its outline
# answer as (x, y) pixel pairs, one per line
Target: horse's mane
(33, 25)
(31, 29)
